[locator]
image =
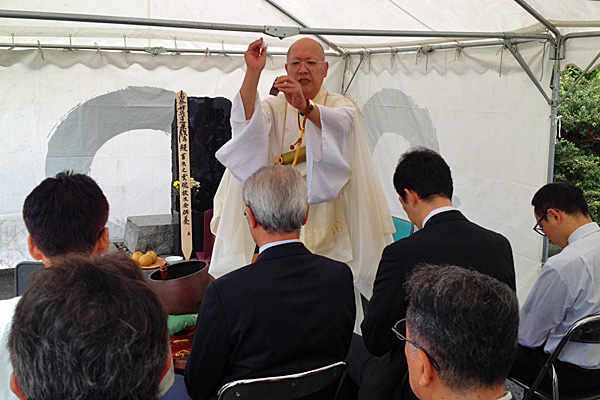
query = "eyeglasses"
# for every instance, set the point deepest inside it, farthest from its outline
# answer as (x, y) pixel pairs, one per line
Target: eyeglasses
(537, 226)
(401, 327)
(310, 64)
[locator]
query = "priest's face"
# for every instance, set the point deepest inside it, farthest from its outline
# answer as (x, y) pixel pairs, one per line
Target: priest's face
(306, 64)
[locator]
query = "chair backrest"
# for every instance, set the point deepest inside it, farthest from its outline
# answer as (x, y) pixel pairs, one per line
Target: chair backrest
(586, 330)
(287, 387)
(23, 272)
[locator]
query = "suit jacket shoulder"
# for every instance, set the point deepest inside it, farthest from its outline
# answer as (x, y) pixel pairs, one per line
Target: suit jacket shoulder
(448, 238)
(288, 312)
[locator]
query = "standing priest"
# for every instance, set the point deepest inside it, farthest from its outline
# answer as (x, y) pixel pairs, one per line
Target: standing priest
(319, 133)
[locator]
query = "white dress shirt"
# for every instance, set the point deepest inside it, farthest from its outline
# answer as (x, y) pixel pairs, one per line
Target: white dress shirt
(567, 290)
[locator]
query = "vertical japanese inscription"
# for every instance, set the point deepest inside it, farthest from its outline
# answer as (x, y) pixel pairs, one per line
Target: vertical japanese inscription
(185, 204)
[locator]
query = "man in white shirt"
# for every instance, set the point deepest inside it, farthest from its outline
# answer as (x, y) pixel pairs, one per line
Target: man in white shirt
(349, 215)
(460, 332)
(567, 290)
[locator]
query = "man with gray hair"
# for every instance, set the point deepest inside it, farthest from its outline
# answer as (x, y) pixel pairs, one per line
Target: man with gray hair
(460, 332)
(288, 312)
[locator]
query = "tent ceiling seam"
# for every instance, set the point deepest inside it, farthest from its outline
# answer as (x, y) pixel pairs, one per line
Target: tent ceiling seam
(410, 15)
(299, 22)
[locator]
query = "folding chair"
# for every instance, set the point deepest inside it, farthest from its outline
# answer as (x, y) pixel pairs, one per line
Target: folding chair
(286, 387)
(586, 330)
(23, 272)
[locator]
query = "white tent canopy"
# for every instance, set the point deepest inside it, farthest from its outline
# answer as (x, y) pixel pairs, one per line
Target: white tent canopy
(90, 86)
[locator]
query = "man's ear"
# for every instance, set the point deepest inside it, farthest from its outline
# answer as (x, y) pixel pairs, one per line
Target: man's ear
(16, 388)
(251, 218)
(306, 217)
(33, 249)
(411, 197)
(427, 370)
(103, 243)
(555, 215)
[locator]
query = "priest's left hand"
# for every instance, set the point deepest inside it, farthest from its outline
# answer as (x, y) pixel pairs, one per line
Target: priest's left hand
(292, 90)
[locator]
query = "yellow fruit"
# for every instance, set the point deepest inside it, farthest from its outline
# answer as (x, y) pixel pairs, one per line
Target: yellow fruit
(153, 255)
(136, 256)
(145, 260)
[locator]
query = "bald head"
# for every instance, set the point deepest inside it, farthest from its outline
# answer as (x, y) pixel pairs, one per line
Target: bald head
(309, 45)
(306, 64)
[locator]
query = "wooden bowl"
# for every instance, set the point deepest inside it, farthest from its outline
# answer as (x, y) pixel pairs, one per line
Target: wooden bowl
(182, 293)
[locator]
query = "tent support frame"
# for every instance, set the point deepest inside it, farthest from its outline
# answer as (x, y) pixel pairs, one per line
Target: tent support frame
(284, 30)
(344, 90)
(579, 78)
(515, 52)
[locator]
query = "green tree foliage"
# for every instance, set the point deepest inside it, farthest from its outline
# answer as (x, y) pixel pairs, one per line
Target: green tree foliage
(581, 110)
(580, 168)
(577, 153)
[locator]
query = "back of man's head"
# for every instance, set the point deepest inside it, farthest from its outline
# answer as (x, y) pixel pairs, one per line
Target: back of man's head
(425, 172)
(278, 197)
(468, 323)
(66, 214)
(561, 196)
(89, 329)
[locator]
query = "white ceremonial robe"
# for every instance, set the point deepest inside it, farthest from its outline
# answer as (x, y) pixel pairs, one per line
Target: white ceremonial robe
(349, 217)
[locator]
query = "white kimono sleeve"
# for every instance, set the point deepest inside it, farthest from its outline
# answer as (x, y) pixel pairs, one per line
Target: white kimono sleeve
(327, 154)
(248, 148)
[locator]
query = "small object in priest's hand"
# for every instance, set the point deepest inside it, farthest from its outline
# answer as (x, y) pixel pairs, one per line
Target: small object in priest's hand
(274, 91)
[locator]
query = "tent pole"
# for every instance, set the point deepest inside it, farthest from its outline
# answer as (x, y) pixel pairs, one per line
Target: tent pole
(513, 49)
(539, 17)
(362, 57)
(555, 86)
(105, 19)
(585, 71)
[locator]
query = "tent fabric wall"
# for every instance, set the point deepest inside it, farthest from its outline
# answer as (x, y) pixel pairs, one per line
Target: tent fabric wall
(491, 129)
(44, 97)
(493, 139)
(476, 105)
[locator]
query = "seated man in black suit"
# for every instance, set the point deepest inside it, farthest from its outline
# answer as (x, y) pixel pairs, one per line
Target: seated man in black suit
(461, 334)
(290, 311)
(424, 185)
(89, 328)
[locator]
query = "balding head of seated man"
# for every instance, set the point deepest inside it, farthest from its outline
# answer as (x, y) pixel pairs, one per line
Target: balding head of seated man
(460, 332)
(89, 328)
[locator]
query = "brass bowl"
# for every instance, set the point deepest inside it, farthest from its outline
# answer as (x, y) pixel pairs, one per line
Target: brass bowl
(182, 293)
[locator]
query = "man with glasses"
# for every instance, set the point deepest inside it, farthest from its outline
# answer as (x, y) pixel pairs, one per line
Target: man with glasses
(460, 332)
(567, 290)
(320, 134)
